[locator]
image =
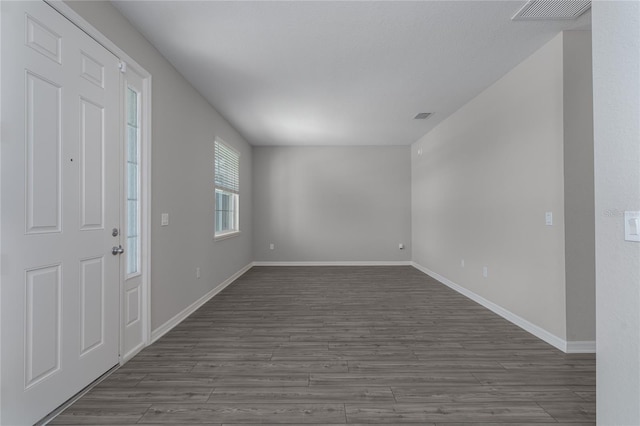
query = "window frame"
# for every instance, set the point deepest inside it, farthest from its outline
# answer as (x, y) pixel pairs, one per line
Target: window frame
(223, 235)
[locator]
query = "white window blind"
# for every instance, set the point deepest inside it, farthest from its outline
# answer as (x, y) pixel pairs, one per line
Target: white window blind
(227, 168)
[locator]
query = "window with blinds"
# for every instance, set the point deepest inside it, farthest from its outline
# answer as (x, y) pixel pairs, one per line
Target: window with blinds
(227, 189)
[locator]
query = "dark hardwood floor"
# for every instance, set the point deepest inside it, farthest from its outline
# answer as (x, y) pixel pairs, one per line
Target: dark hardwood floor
(343, 345)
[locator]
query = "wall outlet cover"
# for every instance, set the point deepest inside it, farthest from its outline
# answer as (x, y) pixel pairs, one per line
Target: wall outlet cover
(632, 226)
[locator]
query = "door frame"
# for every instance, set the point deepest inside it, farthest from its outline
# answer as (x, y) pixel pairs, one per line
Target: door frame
(145, 173)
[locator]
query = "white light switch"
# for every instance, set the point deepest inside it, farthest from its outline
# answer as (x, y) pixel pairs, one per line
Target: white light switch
(632, 226)
(548, 218)
(164, 219)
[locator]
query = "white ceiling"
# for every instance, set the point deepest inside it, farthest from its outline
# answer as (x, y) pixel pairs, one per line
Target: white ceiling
(340, 73)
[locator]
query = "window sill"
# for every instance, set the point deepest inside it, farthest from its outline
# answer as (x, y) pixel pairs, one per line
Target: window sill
(226, 235)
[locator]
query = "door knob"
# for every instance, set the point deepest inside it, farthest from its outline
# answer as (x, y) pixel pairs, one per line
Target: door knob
(117, 250)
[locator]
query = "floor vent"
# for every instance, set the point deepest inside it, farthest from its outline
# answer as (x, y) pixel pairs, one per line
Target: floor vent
(551, 10)
(422, 116)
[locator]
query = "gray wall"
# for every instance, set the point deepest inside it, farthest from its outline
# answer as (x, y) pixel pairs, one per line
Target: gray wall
(488, 174)
(580, 273)
(332, 203)
(183, 130)
(481, 188)
(616, 96)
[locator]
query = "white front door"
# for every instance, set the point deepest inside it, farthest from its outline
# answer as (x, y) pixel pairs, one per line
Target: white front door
(60, 168)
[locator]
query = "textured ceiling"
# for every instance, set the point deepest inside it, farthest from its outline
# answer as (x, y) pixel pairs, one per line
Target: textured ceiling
(340, 73)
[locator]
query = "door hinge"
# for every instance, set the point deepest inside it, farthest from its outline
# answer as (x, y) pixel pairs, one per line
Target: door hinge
(123, 67)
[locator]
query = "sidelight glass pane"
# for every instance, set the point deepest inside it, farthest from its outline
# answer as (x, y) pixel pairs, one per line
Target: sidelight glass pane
(132, 107)
(132, 143)
(132, 218)
(132, 254)
(132, 181)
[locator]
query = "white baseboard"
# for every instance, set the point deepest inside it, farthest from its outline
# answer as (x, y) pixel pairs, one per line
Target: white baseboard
(581, 347)
(337, 263)
(177, 319)
(133, 352)
(539, 332)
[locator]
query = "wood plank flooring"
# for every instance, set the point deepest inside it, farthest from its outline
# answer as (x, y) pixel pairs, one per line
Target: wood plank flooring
(343, 345)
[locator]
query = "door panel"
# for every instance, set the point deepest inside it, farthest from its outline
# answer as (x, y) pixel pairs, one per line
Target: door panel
(91, 304)
(42, 355)
(92, 70)
(42, 174)
(44, 40)
(91, 178)
(60, 189)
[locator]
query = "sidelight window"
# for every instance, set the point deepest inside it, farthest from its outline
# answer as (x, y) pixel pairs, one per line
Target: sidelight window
(133, 182)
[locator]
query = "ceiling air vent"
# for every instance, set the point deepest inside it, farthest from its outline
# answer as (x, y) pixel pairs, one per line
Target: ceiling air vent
(552, 10)
(422, 116)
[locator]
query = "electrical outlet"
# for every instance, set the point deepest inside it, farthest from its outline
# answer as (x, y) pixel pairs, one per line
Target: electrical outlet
(485, 271)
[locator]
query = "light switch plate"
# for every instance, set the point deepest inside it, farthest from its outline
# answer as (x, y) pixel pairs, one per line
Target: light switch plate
(632, 226)
(164, 219)
(548, 218)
